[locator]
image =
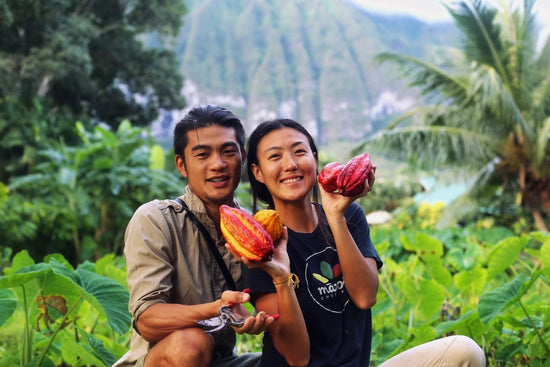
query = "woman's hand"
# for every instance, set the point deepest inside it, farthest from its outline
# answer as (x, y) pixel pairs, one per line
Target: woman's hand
(336, 204)
(279, 265)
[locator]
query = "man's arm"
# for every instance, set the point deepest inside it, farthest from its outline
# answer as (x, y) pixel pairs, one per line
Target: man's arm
(161, 319)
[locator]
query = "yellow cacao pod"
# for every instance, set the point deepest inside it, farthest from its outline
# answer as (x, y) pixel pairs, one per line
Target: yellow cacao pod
(272, 223)
(245, 235)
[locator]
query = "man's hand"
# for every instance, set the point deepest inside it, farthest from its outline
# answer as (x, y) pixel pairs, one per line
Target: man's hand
(252, 324)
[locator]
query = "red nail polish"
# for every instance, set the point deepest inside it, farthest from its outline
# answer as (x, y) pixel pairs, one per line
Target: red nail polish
(231, 304)
(276, 316)
(246, 290)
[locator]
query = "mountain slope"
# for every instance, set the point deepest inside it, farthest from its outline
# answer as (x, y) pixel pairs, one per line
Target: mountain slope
(308, 60)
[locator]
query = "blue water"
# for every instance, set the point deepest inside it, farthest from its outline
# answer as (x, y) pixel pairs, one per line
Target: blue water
(439, 192)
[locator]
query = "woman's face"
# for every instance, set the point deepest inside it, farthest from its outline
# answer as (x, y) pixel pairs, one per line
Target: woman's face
(286, 165)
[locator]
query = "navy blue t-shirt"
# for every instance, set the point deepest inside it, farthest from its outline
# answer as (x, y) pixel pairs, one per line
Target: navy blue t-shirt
(340, 333)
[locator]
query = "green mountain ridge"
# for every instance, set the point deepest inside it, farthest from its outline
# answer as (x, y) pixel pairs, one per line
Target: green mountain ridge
(307, 60)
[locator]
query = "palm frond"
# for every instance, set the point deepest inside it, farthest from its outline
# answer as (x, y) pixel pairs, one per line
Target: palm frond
(543, 60)
(434, 146)
(490, 97)
(428, 77)
(540, 104)
(519, 39)
(482, 43)
(421, 110)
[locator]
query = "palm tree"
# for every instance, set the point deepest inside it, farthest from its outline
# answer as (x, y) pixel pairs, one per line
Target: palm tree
(487, 109)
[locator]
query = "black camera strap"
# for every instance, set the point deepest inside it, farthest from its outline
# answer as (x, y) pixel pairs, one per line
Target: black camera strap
(211, 245)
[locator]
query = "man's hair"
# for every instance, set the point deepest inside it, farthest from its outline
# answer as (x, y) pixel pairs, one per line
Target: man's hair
(203, 116)
(259, 190)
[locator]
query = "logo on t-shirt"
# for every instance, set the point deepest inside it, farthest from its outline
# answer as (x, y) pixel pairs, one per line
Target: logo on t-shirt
(324, 280)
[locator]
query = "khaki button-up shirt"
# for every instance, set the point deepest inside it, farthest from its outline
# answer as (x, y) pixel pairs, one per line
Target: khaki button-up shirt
(168, 260)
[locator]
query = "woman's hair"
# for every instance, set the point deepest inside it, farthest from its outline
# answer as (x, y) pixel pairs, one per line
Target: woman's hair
(203, 116)
(259, 190)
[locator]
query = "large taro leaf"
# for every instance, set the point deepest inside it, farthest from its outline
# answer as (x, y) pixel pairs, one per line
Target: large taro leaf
(423, 244)
(491, 304)
(8, 302)
(107, 295)
(504, 254)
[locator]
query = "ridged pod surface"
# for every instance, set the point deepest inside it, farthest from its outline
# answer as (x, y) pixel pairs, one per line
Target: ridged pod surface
(329, 175)
(351, 179)
(245, 235)
(272, 223)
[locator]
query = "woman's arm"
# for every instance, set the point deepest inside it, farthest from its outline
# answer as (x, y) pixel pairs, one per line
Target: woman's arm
(289, 333)
(360, 273)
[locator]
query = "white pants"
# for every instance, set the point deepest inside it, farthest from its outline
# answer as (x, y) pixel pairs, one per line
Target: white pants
(452, 351)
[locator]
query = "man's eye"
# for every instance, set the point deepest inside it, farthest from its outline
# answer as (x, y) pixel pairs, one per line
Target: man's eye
(230, 151)
(201, 155)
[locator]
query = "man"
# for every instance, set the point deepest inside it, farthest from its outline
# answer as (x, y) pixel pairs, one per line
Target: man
(173, 277)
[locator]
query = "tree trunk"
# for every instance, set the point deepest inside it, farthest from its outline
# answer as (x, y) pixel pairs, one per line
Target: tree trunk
(539, 219)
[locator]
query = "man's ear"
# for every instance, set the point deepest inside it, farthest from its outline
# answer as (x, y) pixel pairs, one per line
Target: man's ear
(180, 165)
(257, 173)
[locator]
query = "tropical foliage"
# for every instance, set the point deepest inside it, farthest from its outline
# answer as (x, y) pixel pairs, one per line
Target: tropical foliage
(487, 109)
(85, 57)
(481, 281)
(78, 199)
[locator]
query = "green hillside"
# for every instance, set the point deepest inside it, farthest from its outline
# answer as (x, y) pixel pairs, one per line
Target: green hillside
(309, 60)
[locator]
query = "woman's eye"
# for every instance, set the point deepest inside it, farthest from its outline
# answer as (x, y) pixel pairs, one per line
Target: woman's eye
(273, 156)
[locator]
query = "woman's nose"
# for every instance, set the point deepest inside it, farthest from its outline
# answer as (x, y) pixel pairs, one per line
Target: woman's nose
(290, 163)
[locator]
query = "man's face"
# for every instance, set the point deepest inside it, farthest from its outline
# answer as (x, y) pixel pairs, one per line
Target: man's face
(213, 163)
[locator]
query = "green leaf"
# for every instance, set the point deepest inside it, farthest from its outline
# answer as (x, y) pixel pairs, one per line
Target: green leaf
(471, 282)
(156, 157)
(99, 350)
(545, 258)
(437, 271)
(8, 303)
(426, 245)
(79, 353)
(491, 304)
(24, 275)
(429, 298)
(504, 254)
(21, 259)
(108, 296)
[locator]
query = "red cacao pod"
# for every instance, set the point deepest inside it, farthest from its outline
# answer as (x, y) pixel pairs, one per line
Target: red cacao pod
(328, 176)
(351, 179)
(272, 223)
(245, 235)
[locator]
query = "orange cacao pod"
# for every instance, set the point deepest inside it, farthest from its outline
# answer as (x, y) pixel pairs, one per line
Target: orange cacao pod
(272, 223)
(351, 179)
(328, 176)
(245, 235)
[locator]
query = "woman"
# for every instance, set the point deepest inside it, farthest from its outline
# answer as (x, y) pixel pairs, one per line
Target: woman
(331, 256)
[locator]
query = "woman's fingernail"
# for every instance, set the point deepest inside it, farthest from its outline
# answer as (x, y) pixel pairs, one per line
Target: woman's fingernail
(276, 316)
(246, 290)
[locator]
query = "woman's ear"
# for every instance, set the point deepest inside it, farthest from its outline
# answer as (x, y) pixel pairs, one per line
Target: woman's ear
(180, 165)
(257, 172)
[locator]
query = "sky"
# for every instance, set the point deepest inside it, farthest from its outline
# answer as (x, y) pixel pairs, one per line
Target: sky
(433, 10)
